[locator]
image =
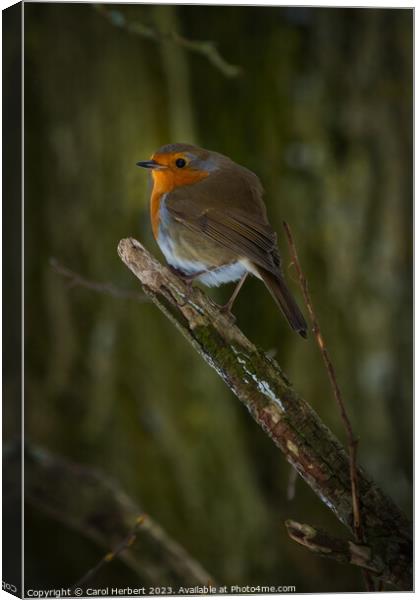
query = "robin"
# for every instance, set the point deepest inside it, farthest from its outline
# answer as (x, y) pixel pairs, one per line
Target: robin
(210, 222)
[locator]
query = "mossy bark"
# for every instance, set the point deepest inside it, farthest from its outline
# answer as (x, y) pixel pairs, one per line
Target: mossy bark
(292, 424)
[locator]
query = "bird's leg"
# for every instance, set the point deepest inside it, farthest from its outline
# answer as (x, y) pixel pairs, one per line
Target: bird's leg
(187, 279)
(177, 272)
(227, 308)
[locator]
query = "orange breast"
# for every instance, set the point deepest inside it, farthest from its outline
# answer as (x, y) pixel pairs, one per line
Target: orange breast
(166, 180)
(155, 210)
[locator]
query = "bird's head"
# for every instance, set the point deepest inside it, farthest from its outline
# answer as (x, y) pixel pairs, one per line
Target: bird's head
(177, 165)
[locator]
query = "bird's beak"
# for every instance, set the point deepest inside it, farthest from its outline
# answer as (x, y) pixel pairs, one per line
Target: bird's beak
(150, 164)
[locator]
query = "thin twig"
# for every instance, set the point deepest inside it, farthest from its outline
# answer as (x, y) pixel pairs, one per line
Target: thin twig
(205, 48)
(352, 440)
(103, 514)
(110, 556)
(77, 280)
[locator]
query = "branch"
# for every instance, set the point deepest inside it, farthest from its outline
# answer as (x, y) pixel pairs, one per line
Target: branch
(128, 541)
(206, 49)
(84, 500)
(352, 441)
(351, 438)
(76, 280)
(292, 424)
(323, 544)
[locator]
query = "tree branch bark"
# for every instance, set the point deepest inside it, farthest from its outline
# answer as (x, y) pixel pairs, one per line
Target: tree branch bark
(292, 424)
(325, 545)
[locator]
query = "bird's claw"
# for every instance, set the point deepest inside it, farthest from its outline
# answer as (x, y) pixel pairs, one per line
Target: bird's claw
(187, 295)
(225, 309)
(186, 279)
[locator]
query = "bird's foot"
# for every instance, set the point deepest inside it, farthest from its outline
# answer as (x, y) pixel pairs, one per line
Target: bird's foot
(178, 273)
(226, 309)
(187, 279)
(189, 290)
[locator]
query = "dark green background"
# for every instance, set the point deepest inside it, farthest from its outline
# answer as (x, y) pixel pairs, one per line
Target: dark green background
(322, 112)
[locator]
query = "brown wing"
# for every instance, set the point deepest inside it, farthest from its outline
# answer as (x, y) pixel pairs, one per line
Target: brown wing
(229, 210)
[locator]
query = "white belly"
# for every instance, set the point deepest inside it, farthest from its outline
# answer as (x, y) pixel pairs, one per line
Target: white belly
(231, 272)
(211, 278)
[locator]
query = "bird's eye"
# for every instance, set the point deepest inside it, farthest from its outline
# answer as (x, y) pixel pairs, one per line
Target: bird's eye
(180, 163)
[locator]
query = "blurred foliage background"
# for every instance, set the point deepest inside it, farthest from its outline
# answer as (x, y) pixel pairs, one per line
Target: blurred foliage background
(322, 112)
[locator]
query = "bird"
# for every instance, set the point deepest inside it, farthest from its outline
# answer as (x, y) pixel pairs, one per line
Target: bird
(210, 221)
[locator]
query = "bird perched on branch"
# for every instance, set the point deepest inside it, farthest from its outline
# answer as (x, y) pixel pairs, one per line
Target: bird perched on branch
(210, 221)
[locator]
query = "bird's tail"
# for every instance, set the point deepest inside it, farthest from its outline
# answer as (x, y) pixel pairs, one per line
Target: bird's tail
(284, 300)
